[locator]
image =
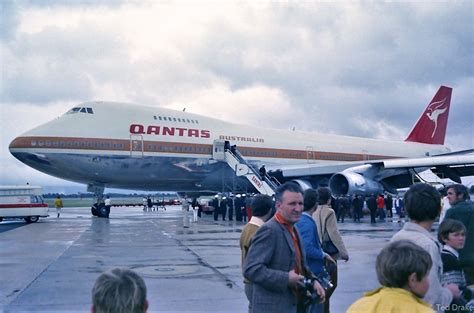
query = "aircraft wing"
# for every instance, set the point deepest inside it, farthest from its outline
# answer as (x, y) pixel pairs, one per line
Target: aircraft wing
(449, 161)
(363, 177)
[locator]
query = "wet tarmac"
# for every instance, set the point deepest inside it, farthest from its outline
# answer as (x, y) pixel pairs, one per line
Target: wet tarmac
(51, 266)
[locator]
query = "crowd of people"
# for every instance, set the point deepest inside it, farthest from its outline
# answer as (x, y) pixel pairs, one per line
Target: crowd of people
(235, 206)
(291, 245)
(432, 275)
(380, 206)
(289, 261)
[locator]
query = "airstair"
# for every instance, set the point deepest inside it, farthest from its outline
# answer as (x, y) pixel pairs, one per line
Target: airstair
(222, 151)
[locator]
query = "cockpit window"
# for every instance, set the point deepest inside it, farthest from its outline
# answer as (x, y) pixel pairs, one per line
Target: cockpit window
(73, 110)
(80, 110)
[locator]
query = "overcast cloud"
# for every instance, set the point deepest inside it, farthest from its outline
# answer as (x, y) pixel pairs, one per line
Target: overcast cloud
(352, 68)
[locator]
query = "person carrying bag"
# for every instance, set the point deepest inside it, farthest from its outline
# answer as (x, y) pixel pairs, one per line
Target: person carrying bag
(328, 246)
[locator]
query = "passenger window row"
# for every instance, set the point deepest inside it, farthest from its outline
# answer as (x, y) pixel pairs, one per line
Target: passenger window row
(197, 149)
(259, 153)
(152, 147)
(77, 144)
(114, 146)
(175, 119)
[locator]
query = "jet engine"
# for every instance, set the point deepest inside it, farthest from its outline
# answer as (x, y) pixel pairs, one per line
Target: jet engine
(304, 184)
(349, 182)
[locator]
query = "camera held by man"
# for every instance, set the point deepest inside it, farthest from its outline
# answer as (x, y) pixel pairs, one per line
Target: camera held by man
(306, 286)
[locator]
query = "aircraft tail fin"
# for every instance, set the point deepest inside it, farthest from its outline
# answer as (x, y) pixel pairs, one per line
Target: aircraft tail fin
(431, 126)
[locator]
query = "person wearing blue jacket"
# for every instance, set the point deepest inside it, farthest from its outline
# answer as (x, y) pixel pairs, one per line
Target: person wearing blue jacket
(309, 234)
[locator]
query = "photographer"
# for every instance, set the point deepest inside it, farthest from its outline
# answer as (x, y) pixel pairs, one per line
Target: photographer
(275, 263)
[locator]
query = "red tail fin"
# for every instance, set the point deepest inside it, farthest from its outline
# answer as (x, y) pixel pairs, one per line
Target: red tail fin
(431, 126)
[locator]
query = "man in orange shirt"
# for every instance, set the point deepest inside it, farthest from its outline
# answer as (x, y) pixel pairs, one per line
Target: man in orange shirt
(275, 263)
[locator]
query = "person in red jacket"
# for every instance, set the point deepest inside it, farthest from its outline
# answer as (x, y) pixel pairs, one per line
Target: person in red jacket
(380, 208)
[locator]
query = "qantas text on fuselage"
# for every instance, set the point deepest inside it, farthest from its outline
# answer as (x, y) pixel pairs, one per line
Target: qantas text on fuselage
(138, 129)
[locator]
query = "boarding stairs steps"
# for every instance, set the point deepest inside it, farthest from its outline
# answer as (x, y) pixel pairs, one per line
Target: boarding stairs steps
(223, 152)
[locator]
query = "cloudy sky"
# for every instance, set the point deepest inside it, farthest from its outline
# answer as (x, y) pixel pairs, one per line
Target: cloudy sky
(347, 67)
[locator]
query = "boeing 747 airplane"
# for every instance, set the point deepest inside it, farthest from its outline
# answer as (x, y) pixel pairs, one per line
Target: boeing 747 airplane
(118, 145)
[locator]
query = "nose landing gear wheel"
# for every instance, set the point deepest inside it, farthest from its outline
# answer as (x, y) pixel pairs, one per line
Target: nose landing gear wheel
(100, 210)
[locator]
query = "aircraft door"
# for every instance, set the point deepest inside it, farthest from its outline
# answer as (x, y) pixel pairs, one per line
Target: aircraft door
(365, 155)
(136, 146)
(310, 155)
(218, 150)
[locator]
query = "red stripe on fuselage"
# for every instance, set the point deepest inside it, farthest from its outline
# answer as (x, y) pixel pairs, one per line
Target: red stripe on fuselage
(111, 145)
(26, 205)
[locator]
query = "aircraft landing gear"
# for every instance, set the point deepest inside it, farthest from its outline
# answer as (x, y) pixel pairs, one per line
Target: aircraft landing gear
(98, 209)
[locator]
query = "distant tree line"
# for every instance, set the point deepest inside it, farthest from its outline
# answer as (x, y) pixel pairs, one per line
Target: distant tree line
(112, 195)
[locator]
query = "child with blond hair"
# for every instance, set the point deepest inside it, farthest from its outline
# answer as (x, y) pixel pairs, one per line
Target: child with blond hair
(402, 270)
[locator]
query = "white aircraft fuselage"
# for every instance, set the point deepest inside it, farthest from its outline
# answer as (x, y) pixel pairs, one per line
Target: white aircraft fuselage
(128, 146)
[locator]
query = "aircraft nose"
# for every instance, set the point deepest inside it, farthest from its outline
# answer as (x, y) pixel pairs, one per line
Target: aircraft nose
(16, 143)
(19, 148)
(15, 146)
(19, 143)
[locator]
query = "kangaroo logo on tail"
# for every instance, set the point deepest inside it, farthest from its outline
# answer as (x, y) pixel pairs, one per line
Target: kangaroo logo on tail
(434, 111)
